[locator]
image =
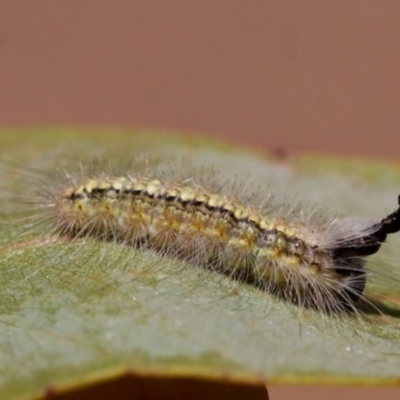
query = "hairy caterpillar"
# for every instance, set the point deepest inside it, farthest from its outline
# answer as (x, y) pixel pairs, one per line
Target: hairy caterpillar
(302, 256)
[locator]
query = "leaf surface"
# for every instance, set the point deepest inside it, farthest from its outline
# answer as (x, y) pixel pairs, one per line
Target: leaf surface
(72, 314)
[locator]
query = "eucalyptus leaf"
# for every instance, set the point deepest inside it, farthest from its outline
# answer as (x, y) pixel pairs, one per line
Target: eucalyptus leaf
(76, 313)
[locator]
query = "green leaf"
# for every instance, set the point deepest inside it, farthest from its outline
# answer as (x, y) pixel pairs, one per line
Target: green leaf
(74, 314)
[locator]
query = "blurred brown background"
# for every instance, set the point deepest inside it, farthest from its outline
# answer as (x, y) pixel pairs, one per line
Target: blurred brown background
(313, 75)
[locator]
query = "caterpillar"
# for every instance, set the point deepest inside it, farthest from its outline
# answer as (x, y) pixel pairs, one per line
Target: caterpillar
(304, 256)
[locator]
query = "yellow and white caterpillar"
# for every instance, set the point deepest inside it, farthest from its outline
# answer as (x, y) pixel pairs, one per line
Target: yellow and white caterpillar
(304, 257)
